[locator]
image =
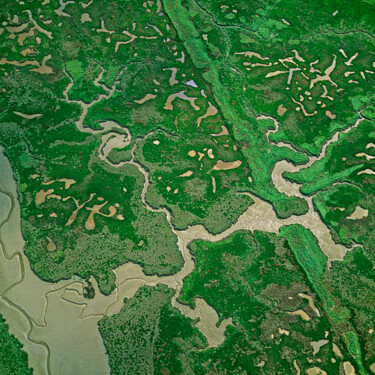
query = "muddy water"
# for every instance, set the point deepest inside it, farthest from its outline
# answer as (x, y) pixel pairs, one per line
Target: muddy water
(48, 327)
(57, 326)
(311, 220)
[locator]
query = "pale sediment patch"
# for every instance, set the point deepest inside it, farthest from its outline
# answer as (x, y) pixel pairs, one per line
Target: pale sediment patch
(4, 61)
(42, 324)
(131, 40)
(349, 368)
(224, 131)
(302, 314)
(90, 222)
(251, 54)
(17, 29)
(146, 98)
(368, 157)
(311, 302)
(172, 80)
(50, 182)
(60, 11)
(317, 345)
(325, 94)
(27, 117)
(43, 69)
(348, 73)
(103, 29)
(276, 73)
(85, 17)
(359, 213)
(208, 321)
(85, 5)
(210, 153)
(40, 29)
(181, 95)
(54, 196)
(51, 246)
(296, 367)
(113, 140)
(211, 111)
(68, 182)
(182, 58)
(372, 368)
(281, 110)
(315, 371)
(192, 153)
(40, 196)
(350, 61)
(326, 76)
(78, 207)
(330, 115)
(307, 114)
(186, 174)
(226, 165)
(284, 332)
(337, 350)
(213, 184)
(366, 171)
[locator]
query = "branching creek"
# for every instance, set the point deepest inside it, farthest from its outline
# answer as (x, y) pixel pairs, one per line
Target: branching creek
(58, 326)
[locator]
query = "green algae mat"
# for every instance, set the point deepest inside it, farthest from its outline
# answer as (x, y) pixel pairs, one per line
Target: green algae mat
(194, 184)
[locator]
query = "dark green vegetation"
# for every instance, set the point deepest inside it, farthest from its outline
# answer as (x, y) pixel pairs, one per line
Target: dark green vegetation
(260, 280)
(208, 95)
(257, 280)
(13, 360)
(343, 182)
(149, 336)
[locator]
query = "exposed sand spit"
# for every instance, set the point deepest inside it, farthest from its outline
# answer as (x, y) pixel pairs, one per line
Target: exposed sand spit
(330, 115)
(181, 95)
(359, 213)
(186, 174)
(311, 302)
(226, 165)
(366, 171)
(224, 131)
(211, 111)
(28, 117)
(145, 99)
(302, 314)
